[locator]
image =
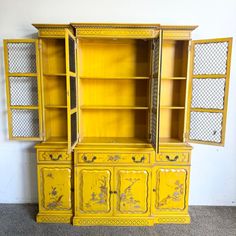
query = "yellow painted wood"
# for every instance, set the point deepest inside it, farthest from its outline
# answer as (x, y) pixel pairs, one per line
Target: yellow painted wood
(170, 190)
(204, 76)
(112, 157)
(117, 178)
(54, 186)
(92, 191)
(16, 74)
(132, 192)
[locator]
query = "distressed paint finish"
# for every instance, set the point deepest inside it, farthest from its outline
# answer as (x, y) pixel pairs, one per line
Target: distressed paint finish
(171, 185)
(132, 190)
(55, 188)
(94, 191)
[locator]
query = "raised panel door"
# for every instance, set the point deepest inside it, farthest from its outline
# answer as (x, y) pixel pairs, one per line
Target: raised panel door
(132, 191)
(93, 190)
(54, 188)
(170, 189)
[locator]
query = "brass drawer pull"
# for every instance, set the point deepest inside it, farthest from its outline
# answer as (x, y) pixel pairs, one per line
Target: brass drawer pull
(174, 159)
(89, 161)
(140, 161)
(111, 192)
(55, 158)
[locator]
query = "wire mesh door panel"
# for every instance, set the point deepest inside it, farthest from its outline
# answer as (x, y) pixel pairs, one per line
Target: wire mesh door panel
(209, 80)
(71, 83)
(155, 88)
(22, 84)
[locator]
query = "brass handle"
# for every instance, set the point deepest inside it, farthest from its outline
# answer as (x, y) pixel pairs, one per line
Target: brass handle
(140, 161)
(111, 192)
(174, 159)
(89, 161)
(55, 158)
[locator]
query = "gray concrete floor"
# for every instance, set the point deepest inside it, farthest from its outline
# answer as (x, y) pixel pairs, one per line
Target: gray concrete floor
(206, 221)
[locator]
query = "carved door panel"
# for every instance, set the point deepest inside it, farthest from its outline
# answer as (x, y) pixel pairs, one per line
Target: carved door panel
(54, 188)
(132, 191)
(93, 190)
(170, 188)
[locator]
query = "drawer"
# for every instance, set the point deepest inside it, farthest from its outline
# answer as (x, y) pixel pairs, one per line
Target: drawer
(53, 156)
(174, 157)
(137, 158)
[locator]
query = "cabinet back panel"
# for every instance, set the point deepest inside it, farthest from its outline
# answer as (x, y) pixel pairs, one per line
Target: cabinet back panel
(56, 123)
(110, 57)
(173, 93)
(54, 55)
(114, 123)
(174, 58)
(55, 90)
(172, 124)
(114, 92)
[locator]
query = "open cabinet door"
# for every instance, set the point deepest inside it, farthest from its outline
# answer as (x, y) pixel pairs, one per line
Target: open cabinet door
(155, 91)
(71, 87)
(209, 82)
(23, 89)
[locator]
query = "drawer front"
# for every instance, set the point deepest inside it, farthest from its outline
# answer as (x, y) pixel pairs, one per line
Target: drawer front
(173, 157)
(53, 156)
(138, 158)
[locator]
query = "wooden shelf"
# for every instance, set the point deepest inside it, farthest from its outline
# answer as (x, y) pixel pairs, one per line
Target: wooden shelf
(56, 106)
(114, 140)
(169, 140)
(172, 107)
(57, 140)
(85, 107)
(173, 78)
(112, 77)
(55, 74)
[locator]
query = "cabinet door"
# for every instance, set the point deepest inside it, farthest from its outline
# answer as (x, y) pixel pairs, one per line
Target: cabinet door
(23, 89)
(132, 191)
(209, 82)
(170, 188)
(71, 85)
(54, 187)
(155, 91)
(93, 191)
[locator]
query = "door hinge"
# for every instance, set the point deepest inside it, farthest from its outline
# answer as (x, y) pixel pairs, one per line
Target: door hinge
(186, 136)
(189, 46)
(40, 45)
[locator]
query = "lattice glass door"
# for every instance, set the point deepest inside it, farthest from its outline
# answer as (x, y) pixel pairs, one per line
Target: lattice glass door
(71, 85)
(209, 81)
(23, 89)
(155, 91)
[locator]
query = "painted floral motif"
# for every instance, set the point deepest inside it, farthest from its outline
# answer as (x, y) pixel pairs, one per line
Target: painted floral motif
(175, 196)
(126, 198)
(101, 196)
(55, 199)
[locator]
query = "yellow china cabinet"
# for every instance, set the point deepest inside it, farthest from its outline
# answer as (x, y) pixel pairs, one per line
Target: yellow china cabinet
(114, 107)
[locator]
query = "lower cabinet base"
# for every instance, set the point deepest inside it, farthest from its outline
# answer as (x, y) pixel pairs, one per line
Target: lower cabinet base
(173, 219)
(113, 221)
(54, 218)
(131, 221)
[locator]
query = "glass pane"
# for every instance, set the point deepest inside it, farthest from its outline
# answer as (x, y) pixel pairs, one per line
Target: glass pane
(72, 92)
(72, 54)
(73, 128)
